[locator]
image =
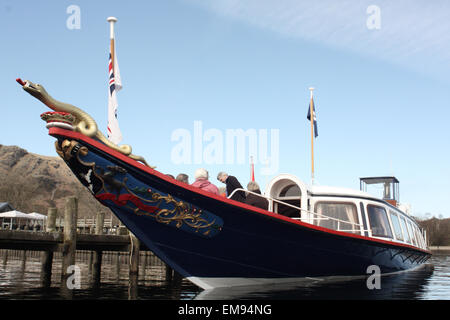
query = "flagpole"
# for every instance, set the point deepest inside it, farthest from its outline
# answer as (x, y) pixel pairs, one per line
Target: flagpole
(252, 169)
(311, 89)
(111, 21)
(114, 85)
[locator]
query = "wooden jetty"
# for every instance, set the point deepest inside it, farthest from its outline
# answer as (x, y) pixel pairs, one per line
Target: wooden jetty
(69, 240)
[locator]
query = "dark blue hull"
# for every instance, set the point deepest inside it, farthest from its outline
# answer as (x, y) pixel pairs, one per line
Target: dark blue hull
(218, 242)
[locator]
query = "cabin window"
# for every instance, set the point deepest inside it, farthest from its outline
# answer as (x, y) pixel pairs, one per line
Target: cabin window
(396, 224)
(405, 230)
(418, 236)
(290, 191)
(345, 214)
(290, 194)
(411, 233)
(379, 221)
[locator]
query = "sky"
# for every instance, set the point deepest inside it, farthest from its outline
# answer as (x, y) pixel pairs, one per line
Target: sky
(195, 72)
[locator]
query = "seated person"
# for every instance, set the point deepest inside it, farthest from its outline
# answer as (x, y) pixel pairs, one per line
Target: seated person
(182, 177)
(255, 200)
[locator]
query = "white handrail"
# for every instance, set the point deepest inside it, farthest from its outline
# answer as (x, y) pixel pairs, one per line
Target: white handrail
(321, 217)
(318, 216)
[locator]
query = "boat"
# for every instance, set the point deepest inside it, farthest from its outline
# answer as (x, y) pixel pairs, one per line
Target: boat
(308, 232)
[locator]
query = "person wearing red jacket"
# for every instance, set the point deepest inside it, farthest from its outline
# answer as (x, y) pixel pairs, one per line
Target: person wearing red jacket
(201, 181)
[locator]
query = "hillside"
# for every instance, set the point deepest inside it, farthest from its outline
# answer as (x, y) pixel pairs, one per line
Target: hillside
(32, 182)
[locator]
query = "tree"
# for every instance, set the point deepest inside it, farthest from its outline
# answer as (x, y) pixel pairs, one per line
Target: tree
(438, 231)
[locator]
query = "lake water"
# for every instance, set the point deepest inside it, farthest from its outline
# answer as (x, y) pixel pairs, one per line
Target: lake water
(19, 280)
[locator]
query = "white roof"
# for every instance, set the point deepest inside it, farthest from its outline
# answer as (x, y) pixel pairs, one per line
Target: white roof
(14, 214)
(327, 190)
(18, 214)
(275, 186)
(37, 216)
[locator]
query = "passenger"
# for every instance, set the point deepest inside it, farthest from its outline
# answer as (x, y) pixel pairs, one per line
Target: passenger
(223, 191)
(232, 184)
(255, 200)
(169, 175)
(183, 178)
(202, 182)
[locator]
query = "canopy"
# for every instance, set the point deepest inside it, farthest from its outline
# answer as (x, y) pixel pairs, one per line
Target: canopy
(37, 216)
(18, 214)
(14, 214)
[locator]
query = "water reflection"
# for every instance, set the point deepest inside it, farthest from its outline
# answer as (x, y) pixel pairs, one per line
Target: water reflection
(406, 285)
(21, 279)
(438, 286)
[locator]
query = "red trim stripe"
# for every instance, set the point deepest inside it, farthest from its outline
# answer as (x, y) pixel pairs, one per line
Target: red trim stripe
(54, 131)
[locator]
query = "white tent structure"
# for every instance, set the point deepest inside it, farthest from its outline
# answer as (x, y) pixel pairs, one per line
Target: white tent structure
(16, 219)
(14, 214)
(37, 216)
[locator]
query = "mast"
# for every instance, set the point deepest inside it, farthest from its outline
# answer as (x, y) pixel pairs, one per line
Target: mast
(114, 85)
(311, 112)
(111, 21)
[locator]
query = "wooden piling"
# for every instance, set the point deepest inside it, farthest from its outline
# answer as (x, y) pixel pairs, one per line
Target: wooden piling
(99, 222)
(70, 237)
(134, 267)
(144, 263)
(51, 220)
(96, 267)
(117, 254)
(169, 273)
(90, 259)
(97, 255)
(47, 255)
(134, 255)
(46, 267)
(5, 257)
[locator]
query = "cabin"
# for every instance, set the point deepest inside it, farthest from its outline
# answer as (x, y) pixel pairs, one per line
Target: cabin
(347, 210)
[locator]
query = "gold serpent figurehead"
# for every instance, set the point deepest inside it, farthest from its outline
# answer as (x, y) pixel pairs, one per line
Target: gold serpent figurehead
(84, 123)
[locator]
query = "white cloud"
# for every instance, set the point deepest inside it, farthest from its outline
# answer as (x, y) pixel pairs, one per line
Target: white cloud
(413, 33)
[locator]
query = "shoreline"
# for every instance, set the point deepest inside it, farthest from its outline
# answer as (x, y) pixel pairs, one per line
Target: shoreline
(439, 248)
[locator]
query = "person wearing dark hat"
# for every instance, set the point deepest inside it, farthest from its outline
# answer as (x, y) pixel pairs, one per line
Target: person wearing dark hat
(232, 184)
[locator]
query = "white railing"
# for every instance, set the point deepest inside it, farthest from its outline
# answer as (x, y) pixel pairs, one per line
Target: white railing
(40, 225)
(317, 216)
(85, 222)
(356, 227)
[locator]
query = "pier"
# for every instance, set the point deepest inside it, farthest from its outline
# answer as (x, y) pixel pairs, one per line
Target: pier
(67, 239)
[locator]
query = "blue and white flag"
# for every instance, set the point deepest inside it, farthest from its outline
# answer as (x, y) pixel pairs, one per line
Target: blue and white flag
(115, 84)
(314, 117)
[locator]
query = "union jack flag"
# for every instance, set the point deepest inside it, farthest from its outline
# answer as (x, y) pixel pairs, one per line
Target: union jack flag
(115, 84)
